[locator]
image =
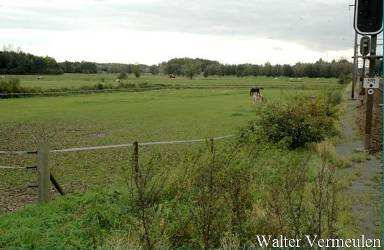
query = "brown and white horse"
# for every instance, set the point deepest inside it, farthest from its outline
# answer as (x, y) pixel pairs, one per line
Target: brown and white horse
(256, 95)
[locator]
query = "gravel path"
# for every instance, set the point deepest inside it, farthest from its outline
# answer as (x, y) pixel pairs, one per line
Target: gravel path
(364, 190)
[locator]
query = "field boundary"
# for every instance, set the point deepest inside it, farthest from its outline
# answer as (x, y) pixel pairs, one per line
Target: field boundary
(67, 150)
(44, 174)
(162, 87)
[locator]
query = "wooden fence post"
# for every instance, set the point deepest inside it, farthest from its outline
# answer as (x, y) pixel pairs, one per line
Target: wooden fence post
(43, 173)
(140, 189)
(135, 164)
(209, 214)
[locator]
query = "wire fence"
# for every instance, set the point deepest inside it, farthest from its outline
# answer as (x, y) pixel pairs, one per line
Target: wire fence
(8, 167)
(45, 176)
(66, 150)
(17, 152)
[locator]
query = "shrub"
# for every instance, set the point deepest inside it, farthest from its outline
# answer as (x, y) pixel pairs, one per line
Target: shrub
(344, 79)
(334, 97)
(136, 71)
(122, 76)
(10, 85)
(295, 124)
(99, 86)
(123, 85)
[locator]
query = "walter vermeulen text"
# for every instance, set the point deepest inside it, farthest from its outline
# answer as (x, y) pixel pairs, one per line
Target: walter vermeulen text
(268, 241)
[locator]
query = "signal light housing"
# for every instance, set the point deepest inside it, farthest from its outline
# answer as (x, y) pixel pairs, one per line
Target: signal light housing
(368, 17)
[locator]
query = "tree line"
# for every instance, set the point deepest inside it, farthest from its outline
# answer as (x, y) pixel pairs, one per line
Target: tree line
(191, 67)
(17, 62)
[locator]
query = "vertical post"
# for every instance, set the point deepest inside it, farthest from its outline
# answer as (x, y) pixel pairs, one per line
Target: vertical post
(355, 67)
(43, 173)
(208, 229)
(212, 151)
(382, 159)
(369, 111)
(140, 189)
(135, 162)
(382, 145)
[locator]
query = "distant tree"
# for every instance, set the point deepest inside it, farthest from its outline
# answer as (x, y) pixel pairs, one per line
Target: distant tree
(88, 67)
(173, 68)
(240, 70)
(136, 70)
(213, 69)
(79, 67)
(191, 69)
(12, 62)
(267, 69)
(154, 69)
(288, 71)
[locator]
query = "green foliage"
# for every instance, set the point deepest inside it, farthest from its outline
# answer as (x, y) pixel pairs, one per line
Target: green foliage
(136, 70)
(154, 69)
(294, 124)
(192, 198)
(345, 78)
(122, 76)
(79, 67)
(334, 97)
(21, 63)
(321, 68)
(77, 80)
(191, 69)
(197, 200)
(11, 85)
(77, 221)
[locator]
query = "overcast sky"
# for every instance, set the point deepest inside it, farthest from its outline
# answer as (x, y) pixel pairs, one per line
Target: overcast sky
(152, 31)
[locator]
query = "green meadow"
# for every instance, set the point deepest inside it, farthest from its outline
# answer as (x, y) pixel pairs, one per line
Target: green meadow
(80, 80)
(96, 183)
(119, 118)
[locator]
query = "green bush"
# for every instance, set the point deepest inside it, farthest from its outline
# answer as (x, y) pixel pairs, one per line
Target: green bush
(122, 76)
(136, 71)
(345, 79)
(295, 124)
(335, 97)
(10, 86)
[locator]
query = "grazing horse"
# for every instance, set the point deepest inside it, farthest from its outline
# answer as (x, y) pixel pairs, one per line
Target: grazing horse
(256, 95)
(172, 76)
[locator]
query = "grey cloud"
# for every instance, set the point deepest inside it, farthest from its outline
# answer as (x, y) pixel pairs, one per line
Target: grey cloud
(320, 25)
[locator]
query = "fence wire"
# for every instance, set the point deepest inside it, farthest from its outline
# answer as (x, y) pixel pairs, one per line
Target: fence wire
(9, 167)
(116, 146)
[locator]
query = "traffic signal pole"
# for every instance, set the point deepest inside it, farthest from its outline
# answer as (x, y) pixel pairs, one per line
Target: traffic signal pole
(368, 117)
(382, 145)
(355, 67)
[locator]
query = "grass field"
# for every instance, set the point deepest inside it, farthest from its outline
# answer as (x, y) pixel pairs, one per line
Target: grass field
(102, 119)
(79, 80)
(102, 207)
